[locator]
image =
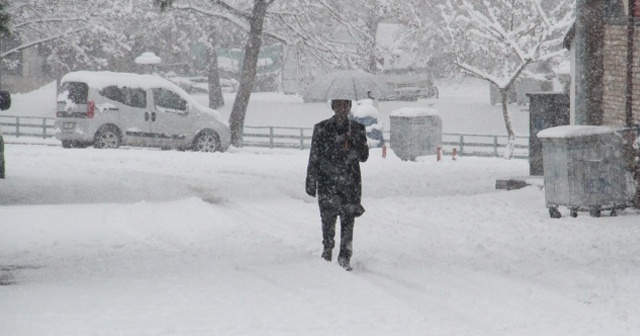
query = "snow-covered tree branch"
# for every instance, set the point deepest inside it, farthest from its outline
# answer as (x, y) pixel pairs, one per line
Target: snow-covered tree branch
(498, 40)
(70, 32)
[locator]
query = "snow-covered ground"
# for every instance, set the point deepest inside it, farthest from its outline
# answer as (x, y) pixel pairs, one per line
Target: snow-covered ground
(150, 242)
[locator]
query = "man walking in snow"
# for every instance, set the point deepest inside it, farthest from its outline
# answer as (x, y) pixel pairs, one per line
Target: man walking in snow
(338, 146)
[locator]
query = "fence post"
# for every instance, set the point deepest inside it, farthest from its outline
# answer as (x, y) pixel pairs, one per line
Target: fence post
(17, 127)
(301, 138)
(495, 145)
(44, 128)
(461, 144)
(271, 137)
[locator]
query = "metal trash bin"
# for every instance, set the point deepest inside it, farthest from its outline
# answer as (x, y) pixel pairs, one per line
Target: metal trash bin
(415, 132)
(584, 169)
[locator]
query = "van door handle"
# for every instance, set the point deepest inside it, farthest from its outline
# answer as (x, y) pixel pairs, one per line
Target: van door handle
(153, 116)
(146, 116)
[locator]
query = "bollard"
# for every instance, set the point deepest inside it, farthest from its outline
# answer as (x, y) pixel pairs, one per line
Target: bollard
(439, 153)
(384, 151)
(453, 154)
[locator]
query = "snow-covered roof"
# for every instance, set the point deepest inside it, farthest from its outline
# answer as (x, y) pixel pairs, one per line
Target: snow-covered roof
(413, 112)
(574, 131)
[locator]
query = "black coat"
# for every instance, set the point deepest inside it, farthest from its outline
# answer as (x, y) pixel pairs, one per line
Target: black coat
(334, 164)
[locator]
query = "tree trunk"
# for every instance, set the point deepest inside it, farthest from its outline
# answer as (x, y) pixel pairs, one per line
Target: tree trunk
(371, 63)
(249, 69)
(215, 91)
(372, 60)
(509, 148)
(1, 61)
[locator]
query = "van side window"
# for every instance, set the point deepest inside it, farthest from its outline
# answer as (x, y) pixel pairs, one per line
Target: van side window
(135, 97)
(168, 101)
(128, 96)
(113, 93)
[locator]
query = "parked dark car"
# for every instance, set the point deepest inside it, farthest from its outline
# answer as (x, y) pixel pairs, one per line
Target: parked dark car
(5, 103)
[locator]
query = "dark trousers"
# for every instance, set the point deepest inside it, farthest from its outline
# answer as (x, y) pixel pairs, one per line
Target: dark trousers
(329, 218)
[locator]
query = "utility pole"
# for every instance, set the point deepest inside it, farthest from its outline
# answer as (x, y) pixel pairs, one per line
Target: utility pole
(589, 61)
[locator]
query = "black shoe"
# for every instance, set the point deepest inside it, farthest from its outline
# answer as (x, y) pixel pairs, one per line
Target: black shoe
(326, 255)
(345, 263)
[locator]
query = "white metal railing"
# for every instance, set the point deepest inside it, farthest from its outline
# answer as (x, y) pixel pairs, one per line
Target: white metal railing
(20, 126)
(488, 145)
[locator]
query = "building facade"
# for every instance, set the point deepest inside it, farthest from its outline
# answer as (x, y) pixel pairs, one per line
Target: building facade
(619, 37)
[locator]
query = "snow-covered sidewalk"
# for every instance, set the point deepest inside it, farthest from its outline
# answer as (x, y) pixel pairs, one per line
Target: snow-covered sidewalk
(149, 242)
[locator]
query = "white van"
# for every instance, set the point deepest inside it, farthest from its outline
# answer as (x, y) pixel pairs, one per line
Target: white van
(109, 109)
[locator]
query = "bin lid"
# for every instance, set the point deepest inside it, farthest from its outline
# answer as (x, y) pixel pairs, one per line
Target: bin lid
(413, 112)
(574, 131)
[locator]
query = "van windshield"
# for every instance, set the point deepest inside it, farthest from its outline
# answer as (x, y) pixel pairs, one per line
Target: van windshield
(77, 92)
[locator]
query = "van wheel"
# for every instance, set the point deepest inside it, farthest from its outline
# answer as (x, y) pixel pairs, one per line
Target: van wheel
(107, 137)
(206, 141)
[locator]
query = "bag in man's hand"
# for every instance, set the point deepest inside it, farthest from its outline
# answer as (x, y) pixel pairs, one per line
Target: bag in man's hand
(355, 210)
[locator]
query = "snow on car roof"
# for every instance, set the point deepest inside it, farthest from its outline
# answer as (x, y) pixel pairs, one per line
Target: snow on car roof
(574, 131)
(102, 79)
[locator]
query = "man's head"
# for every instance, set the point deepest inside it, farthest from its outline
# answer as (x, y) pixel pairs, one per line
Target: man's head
(341, 107)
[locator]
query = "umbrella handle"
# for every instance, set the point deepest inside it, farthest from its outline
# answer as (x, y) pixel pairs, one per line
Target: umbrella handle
(369, 94)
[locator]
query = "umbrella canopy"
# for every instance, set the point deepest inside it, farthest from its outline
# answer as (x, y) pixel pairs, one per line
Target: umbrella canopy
(349, 85)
